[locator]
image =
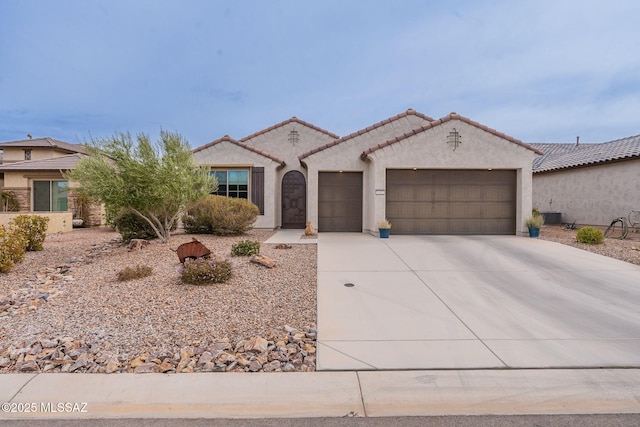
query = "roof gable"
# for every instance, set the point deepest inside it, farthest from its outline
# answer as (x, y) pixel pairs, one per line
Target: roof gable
(286, 122)
(368, 129)
(441, 121)
(565, 156)
(51, 164)
(227, 138)
(44, 143)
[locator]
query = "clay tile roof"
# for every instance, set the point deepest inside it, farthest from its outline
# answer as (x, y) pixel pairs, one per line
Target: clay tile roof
(293, 119)
(45, 142)
(409, 111)
(51, 164)
(565, 156)
(438, 122)
(227, 138)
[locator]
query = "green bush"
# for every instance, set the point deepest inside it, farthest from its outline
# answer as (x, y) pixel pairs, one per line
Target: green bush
(204, 272)
(220, 215)
(245, 248)
(590, 235)
(33, 228)
(12, 247)
(131, 226)
(137, 272)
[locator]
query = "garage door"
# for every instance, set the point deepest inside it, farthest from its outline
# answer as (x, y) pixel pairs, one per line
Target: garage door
(340, 201)
(451, 201)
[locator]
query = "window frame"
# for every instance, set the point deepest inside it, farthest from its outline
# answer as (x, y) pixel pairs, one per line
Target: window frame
(55, 194)
(238, 191)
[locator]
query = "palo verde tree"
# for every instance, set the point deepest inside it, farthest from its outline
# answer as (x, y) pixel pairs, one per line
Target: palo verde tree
(155, 182)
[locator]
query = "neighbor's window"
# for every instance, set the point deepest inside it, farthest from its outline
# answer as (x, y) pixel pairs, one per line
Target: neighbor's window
(27, 154)
(232, 183)
(50, 196)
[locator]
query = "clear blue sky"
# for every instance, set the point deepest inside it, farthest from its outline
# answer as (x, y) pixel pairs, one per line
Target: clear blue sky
(540, 71)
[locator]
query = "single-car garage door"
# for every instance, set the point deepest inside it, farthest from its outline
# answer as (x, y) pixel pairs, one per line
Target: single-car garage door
(340, 201)
(436, 201)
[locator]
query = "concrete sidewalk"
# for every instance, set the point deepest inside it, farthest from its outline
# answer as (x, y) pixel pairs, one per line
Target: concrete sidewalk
(326, 394)
(291, 236)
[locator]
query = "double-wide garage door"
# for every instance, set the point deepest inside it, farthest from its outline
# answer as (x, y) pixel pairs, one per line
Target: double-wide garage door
(451, 201)
(340, 201)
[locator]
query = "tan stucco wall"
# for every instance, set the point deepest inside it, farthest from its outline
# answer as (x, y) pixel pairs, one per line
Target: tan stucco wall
(429, 150)
(345, 157)
(591, 195)
(11, 155)
(24, 178)
(229, 155)
(276, 142)
(59, 222)
(426, 150)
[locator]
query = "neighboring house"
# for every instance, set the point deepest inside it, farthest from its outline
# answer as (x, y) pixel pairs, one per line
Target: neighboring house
(445, 176)
(32, 170)
(588, 183)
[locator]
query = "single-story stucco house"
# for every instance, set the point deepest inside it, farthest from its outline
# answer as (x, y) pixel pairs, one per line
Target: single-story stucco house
(32, 171)
(446, 176)
(589, 184)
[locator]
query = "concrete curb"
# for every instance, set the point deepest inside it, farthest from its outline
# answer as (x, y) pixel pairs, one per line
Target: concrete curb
(320, 394)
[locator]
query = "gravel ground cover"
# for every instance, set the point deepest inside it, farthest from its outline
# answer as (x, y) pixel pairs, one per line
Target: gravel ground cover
(69, 290)
(625, 250)
(63, 310)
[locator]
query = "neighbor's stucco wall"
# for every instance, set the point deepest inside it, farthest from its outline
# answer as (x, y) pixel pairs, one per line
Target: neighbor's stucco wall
(59, 222)
(10, 155)
(429, 150)
(229, 155)
(24, 178)
(591, 195)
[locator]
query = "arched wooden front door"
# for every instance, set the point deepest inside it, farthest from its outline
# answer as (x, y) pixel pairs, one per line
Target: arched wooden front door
(294, 200)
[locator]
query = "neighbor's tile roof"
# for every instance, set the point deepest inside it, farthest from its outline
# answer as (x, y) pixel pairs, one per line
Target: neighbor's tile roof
(51, 164)
(410, 111)
(45, 142)
(227, 138)
(564, 156)
(293, 119)
(434, 123)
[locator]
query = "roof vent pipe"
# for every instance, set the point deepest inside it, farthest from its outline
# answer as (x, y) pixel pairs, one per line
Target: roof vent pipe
(577, 140)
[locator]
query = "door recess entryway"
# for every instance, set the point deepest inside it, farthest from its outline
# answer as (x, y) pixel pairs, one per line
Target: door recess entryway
(294, 200)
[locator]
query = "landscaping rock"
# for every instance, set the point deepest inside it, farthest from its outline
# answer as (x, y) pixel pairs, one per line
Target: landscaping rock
(263, 260)
(136, 245)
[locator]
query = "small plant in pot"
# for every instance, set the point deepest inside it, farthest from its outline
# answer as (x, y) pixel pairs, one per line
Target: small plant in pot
(383, 227)
(533, 223)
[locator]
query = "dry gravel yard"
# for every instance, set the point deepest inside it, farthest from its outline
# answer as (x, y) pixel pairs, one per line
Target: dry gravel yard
(625, 250)
(62, 309)
(81, 300)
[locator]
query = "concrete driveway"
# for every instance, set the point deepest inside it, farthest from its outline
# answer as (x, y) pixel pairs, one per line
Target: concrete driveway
(453, 302)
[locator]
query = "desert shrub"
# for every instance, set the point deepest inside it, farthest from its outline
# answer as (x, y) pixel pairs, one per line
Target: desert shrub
(12, 247)
(9, 201)
(137, 272)
(245, 248)
(205, 271)
(590, 235)
(220, 215)
(33, 228)
(132, 226)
